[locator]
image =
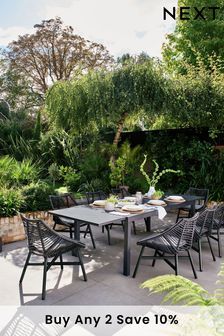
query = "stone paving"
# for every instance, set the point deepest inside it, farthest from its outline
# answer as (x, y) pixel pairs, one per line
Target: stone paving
(106, 285)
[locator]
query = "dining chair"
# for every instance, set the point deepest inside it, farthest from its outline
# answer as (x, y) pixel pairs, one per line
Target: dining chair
(67, 201)
(218, 225)
(203, 229)
(199, 205)
(45, 242)
(170, 244)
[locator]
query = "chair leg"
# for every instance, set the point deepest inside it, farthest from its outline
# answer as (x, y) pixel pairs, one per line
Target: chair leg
(178, 215)
(25, 267)
(44, 279)
(138, 262)
(108, 234)
(70, 232)
(210, 246)
(219, 244)
(91, 235)
(176, 264)
(134, 228)
(81, 264)
(61, 261)
(200, 255)
(192, 264)
(154, 260)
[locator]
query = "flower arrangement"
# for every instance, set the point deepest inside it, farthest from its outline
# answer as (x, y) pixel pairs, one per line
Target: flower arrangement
(110, 203)
(152, 182)
(112, 199)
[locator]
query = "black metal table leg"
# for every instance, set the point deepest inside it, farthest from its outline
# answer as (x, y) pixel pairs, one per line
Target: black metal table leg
(76, 235)
(127, 248)
(148, 224)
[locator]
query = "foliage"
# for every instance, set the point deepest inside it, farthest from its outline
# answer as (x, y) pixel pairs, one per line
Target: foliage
(54, 172)
(195, 39)
(36, 196)
(158, 194)
(60, 148)
(11, 200)
(124, 171)
(117, 172)
(180, 290)
(200, 163)
(53, 53)
(93, 185)
(156, 175)
(105, 99)
(71, 177)
(112, 199)
(15, 173)
(196, 99)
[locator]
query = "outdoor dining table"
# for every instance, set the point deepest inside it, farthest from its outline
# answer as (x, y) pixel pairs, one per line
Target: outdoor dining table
(99, 217)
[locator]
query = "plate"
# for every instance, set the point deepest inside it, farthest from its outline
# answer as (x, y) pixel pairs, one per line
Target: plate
(156, 202)
(174, 198)
(130, 199)
(132, 208)
(123, 203)
(99, 202)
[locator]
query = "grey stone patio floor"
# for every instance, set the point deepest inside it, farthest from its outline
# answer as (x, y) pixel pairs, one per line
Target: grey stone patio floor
(106, 285)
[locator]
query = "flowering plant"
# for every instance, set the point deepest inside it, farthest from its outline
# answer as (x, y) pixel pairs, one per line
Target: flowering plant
(156, 174)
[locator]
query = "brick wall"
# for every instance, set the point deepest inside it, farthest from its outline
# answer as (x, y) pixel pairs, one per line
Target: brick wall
(11, 228)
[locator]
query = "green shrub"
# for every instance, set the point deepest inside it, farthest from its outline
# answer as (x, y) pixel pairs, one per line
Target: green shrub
(36, 196)
(15, 173)
(71, 177)
(26, 172)
(10, 201)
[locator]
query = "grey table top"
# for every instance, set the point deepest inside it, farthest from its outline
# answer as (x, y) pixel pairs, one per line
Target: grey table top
(98, 217)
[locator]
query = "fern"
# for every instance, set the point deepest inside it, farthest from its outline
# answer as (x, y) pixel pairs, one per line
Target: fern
(179, 290)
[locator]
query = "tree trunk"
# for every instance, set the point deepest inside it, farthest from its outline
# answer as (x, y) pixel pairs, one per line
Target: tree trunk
(118, 135)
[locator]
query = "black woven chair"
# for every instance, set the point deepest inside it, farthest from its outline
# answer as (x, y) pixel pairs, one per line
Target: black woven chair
(66, 201)
(45, 242)
(218, 225)
(200, 204)
(122, 191)
(170, 243)
(203, 229)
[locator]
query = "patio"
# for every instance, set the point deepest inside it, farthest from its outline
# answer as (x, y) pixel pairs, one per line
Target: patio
(106, 285)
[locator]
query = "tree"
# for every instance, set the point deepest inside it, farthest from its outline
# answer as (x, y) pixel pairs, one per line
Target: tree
(53, 53)
(195, 39)
(107, 99)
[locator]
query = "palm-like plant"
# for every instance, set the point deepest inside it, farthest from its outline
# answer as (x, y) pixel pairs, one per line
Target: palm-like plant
(178, 290)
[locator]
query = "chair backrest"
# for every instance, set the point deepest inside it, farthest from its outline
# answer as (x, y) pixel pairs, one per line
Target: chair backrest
(62, 201)
(92, 196)
(204, 193)
(181, 234)
(218, 219)
(205, 221)
(121, 192)
(41, 237)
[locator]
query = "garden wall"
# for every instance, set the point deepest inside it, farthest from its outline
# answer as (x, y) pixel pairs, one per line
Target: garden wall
(11, 228)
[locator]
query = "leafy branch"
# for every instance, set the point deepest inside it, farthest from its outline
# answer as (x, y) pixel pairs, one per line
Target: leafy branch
(180, 290)
(156, 176)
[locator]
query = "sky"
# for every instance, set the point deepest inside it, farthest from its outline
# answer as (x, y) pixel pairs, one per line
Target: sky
(123, 26)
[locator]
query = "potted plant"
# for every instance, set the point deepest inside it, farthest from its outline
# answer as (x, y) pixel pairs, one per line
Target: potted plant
(110, 203)
(152, 182)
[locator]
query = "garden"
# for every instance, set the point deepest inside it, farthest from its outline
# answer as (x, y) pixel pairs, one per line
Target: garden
(74, 120)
